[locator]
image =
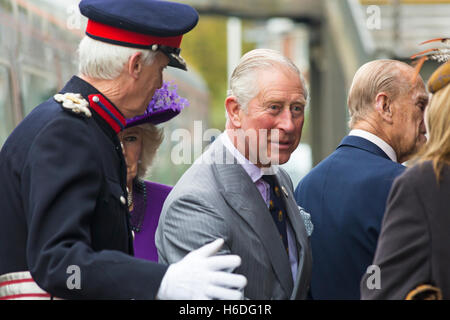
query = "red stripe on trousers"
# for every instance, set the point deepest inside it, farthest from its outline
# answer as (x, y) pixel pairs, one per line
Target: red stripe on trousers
(5, 283)
(26, 295)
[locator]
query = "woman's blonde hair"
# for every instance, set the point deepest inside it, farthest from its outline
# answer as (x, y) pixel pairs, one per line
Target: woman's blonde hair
(152, 138)
(437, 120)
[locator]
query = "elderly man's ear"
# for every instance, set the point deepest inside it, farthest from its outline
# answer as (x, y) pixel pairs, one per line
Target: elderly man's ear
(135, 65)
(233, 110)
(384, 106)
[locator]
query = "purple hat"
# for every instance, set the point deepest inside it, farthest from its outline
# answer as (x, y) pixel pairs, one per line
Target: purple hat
(165, 105)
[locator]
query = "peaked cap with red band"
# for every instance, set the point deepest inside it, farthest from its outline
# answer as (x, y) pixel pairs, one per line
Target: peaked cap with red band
(143, 24)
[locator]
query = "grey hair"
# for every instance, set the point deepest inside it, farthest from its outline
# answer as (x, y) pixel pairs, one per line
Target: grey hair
(243, 84)
(383, 75)
(152, 137)
(102, 60)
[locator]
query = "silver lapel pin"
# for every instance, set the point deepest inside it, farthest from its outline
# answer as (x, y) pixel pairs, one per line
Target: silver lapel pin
(285, 191)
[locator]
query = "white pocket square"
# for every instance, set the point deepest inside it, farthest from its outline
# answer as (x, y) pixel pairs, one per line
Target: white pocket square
(307, 221)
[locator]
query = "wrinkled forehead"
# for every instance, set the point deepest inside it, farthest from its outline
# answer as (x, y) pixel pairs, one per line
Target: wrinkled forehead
(419, 90)
(268, 79)
(412, 77)
(412, 83)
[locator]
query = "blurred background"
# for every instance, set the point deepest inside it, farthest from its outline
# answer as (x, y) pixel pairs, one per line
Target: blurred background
(327, 39)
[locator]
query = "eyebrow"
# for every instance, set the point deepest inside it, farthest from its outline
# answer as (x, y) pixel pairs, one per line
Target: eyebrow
(301, 100)
(131, 132)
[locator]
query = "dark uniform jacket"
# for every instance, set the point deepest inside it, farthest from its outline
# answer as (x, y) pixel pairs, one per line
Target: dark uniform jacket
(62, 204)
(346, 196)
(413, 248)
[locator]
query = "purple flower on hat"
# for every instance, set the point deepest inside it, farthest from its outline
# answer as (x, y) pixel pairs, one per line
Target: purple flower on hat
(165, 104)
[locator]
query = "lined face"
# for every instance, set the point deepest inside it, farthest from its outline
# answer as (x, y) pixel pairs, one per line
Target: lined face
(138, 83)
(409, 122)
(152, 78)
(275, 115)
(131, 139)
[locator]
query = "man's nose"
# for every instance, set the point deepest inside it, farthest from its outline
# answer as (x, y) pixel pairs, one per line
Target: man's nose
(422, 127)
(161, 80)
(286, 122)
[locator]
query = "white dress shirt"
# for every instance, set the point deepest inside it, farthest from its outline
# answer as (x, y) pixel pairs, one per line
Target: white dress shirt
(383, 145)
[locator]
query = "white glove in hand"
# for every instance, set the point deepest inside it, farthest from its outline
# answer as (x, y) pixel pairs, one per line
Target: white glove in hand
(198, 276)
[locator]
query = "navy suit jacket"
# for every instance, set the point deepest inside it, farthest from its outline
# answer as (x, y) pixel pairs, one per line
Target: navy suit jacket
(346, 196)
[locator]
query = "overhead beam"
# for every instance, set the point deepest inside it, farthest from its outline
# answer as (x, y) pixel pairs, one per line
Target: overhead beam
(388, 2)
(304, 11)
(305, 19)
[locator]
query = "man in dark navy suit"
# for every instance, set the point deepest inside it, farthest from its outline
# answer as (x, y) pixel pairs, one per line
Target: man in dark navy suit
(346, 193)
(64, 229)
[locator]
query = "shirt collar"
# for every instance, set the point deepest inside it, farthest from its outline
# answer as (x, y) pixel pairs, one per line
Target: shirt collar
(252, 170)
(383, 145)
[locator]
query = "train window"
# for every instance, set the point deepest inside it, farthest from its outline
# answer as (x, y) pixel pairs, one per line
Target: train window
(36, 88)
(6, 106)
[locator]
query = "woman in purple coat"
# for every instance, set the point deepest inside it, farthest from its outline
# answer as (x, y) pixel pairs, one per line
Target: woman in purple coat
(140, 140)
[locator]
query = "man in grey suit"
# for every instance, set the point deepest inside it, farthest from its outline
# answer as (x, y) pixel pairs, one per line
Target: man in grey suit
(235, 190)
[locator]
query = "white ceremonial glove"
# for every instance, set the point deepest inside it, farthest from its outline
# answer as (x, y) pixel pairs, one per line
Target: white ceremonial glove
(201, 276)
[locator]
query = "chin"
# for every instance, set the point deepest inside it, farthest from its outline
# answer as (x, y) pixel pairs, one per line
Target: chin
(142, 110)
(283, 160)
(280, 158)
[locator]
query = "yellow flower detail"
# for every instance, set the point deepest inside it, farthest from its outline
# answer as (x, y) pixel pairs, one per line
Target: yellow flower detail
(277, 191)
(280, 215)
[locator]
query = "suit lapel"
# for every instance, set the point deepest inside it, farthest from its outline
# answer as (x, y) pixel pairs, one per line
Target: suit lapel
(241, 194)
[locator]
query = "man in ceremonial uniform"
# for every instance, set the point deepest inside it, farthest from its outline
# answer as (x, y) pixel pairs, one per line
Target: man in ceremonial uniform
(64, 228)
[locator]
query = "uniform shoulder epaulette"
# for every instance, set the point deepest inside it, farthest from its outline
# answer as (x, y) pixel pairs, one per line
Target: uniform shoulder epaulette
(74, 102)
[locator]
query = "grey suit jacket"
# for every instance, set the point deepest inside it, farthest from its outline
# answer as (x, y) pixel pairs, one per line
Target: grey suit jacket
(216, 200)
